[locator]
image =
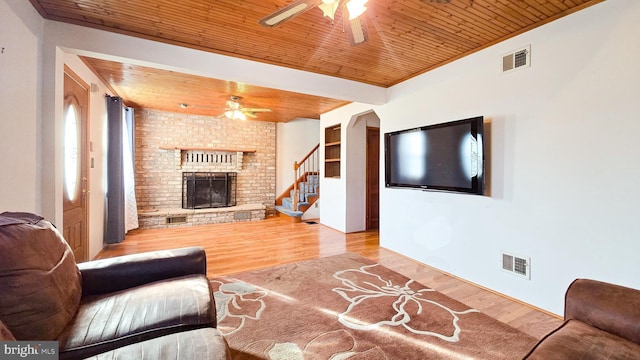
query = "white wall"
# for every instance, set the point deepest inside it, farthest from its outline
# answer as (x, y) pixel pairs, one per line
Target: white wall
(562, 160)
(20, 29)
(344, 209)
(26, 140)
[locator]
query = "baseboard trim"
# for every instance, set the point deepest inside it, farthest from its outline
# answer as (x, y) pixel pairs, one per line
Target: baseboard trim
(480, 286)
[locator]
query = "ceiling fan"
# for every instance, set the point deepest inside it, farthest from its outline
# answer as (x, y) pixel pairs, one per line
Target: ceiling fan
(235, 110)
(353, 15)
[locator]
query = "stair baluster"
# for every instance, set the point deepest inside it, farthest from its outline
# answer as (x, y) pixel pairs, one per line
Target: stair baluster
(304, 190)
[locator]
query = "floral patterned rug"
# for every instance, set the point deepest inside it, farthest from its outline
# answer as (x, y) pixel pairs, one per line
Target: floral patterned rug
(348, 307)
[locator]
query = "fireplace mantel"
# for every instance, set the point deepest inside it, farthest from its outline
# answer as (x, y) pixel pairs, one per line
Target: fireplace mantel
(178, 150)
(205, 148)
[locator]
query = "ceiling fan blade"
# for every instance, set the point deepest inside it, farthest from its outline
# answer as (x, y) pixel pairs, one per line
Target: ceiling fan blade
(256, 110)
(357, 30)
(288, 12)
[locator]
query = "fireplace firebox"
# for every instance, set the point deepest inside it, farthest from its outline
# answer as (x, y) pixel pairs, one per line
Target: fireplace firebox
(202, 190)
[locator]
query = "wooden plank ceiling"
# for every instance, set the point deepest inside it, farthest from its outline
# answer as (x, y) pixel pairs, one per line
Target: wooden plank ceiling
(145, 87)
(406, 38)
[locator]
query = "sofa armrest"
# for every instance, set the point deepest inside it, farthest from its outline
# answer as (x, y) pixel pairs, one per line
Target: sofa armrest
(608, 307)
(123, 272)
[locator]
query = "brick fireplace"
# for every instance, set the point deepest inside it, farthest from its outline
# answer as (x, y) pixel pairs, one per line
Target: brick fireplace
(170, 144)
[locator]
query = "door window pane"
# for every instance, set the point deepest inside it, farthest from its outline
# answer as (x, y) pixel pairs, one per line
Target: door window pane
(71, 158)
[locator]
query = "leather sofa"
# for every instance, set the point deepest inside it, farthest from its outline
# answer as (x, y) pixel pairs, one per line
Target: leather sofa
(601, 321)
(156, 305)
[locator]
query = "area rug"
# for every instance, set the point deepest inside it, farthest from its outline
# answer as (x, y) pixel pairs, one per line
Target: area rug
(348, 307)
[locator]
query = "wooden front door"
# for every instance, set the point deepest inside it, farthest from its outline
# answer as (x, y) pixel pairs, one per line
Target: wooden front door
(373, 177)
(74, 147)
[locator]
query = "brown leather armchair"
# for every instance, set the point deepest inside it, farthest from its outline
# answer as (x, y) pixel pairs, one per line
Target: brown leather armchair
(602, 321)
(156, 305)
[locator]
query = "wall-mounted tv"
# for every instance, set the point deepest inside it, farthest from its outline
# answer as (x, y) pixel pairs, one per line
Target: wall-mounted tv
(441, 157)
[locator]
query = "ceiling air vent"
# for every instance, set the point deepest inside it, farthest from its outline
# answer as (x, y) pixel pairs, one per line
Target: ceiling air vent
(516, 265)
(516, 60)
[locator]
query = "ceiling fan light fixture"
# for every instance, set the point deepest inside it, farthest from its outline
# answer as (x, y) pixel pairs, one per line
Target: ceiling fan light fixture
(356, 8)
(329, 8)
(235, 115)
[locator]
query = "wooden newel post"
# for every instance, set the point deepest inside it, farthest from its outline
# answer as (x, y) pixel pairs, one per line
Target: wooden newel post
(294, 200)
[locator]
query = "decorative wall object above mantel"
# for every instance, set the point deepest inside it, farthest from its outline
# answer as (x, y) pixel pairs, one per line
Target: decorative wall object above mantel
(208, 155)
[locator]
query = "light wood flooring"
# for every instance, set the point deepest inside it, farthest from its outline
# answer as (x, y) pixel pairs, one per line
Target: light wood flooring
(237, 247)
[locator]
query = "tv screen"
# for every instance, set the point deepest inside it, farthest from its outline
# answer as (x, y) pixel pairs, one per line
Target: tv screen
(442, 157)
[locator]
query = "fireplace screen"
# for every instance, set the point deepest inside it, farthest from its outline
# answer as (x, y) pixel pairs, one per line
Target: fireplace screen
(201, 190)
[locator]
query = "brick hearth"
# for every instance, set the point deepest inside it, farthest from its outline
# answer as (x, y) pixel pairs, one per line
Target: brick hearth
(186, 217)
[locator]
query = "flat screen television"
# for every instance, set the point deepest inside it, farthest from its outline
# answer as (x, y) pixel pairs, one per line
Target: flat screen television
(441, 157)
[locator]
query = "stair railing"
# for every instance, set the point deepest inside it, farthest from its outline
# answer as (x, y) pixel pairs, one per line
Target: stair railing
(309, 165)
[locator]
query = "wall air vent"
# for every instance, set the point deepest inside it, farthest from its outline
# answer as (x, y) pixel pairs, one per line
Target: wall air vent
(516, 265)
(516, 60)
(176, 219)
(242, 215)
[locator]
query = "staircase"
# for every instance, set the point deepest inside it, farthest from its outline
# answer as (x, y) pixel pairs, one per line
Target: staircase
(304, 191)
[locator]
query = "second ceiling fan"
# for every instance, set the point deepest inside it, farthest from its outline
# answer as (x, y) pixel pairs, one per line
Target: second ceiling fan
(353, 15)
(235, 111)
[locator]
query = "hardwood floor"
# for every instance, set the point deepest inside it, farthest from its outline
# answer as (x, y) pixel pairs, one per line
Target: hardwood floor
(236, 247)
